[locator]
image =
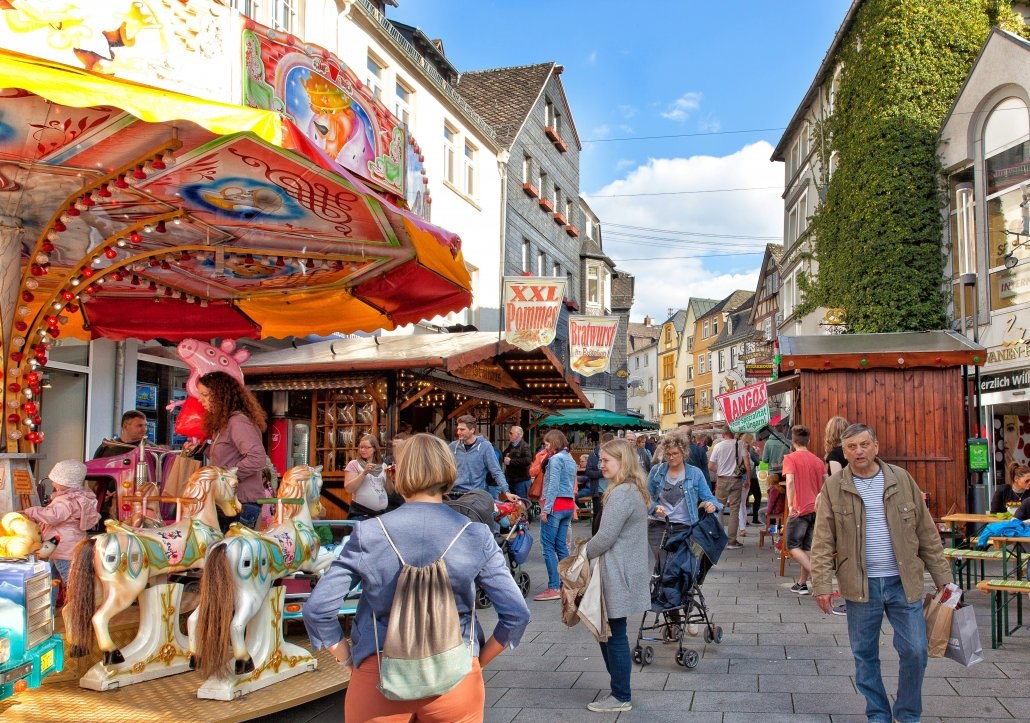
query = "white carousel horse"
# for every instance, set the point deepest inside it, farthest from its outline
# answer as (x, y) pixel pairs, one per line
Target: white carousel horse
(121, 561)
(241, 569)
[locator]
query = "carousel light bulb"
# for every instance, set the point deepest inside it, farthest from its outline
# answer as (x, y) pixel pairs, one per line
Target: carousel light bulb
(203, 303)
(147, 228)
(75, 281)
(97, 261)
(18, 342)
(101, 280)
(31, 284)
(62, 320)
(177, 220)
(57, 305)
(122, 243)
(80, 205)
(14, 434)
(148, 168)
(158, 164)
(24, 311)
(42, 259)
(160, 227)
(15, 372)
(168, 158)
(104, 192)
(122, 181)
(110, 252)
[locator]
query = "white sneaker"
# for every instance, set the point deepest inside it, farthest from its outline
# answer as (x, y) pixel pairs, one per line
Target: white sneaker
(611, 704)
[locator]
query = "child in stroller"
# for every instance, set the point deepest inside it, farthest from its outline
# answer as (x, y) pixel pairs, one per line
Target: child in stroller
(687, 553)
(510, 523)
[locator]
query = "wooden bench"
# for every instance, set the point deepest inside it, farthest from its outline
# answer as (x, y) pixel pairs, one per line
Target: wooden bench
(774, 520)
(963, 560)
(1003, 593)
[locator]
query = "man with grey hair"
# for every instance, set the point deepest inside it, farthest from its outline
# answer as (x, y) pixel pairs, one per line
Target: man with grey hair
(517, 458)
(872, 517)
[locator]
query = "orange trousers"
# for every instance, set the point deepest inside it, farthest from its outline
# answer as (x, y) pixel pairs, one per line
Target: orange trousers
(364, 702)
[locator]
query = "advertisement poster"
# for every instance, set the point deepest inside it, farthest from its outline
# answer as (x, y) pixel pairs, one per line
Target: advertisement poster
(746, 409)
(591, 340)
(531, 308)
(146, 396)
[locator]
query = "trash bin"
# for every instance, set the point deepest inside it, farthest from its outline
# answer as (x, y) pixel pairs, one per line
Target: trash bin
(977, 499)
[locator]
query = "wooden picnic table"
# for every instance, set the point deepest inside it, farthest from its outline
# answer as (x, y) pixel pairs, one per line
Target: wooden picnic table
(965, 518)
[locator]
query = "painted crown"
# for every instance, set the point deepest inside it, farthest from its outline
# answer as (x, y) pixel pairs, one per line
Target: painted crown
(323, 94)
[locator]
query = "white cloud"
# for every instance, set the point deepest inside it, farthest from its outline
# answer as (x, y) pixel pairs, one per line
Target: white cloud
(663, 281)
(623, 164)
(709, 124)
(682, 107)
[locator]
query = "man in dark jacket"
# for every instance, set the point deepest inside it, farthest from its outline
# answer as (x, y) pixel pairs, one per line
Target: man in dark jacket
(596, 482)
(517, 458)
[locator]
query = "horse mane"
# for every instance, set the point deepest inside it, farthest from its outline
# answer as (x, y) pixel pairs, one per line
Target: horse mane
(197, 488)
(295, 484)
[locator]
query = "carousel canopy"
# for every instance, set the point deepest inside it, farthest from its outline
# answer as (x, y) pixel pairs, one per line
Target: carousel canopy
(149, 214)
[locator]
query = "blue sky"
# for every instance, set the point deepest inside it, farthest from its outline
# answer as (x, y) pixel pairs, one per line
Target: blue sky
(676, 68)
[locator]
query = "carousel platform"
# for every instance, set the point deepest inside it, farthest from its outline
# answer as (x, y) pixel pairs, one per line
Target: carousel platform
(174, 698)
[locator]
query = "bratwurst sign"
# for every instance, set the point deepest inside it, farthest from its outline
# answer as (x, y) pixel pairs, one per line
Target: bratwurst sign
(591, 339)
(746, 409)
(531, 308)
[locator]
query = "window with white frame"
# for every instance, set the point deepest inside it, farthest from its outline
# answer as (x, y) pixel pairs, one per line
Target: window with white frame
(246, 7)
(799, 150)
(637, 363)
(704, 399)
(568, 210)
(797, 219)
(710, 367)
(700, 363)
(767, 328)
(526, 256)
(704, 330)
(469, 175)
(593, 285)
(606, 289)
(715, 326)
(650, 384)
(690, 372)
(375, 68)
(541, 263)
(284, 15)
(556, 198)
(450, 136)
(722, 360)
(787, 294)
(690, 343)
(556, 269)
(402, 104)
(527, 169)
(588, 227)
(733, 357)
(541, 181)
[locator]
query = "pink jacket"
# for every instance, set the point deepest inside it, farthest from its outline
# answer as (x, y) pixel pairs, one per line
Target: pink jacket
(71, 514)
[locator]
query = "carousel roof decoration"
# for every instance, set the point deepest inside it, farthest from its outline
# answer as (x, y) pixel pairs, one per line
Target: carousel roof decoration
(148, 214)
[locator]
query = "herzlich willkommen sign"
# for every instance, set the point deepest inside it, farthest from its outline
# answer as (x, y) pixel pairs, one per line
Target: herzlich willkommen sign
(746, 409)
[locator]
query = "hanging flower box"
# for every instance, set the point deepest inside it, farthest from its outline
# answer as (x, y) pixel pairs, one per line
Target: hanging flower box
(546, 204)
(559, 218)
(572, 230)
(530, 190)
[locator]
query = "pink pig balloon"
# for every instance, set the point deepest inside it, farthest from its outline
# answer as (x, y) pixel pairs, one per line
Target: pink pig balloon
(202, 358)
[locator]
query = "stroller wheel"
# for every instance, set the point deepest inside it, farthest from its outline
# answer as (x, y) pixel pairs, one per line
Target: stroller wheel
(638, 655)
(688, 658)
(482, 601)
(522, 580)
(713, 634)
(648, 655)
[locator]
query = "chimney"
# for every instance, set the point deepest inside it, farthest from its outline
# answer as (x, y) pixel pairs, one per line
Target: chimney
(648, 321)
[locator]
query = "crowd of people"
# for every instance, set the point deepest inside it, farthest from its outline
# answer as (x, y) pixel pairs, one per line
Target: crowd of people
(845, 514)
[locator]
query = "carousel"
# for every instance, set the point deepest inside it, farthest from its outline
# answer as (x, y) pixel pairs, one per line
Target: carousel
(133, 212)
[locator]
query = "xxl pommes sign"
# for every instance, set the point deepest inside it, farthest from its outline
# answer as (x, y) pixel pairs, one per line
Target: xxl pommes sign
(746, 409)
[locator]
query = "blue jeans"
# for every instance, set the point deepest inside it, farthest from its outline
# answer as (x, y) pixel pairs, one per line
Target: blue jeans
(617, 659)
(250, 514)
(521, 489)
(64, 567)
(886, 595)
(552, 542)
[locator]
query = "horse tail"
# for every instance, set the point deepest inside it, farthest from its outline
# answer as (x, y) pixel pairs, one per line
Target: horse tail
(214, 614)
(81, 598)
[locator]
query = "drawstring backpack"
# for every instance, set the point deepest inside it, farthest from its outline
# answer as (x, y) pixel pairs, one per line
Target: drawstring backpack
(423, 654)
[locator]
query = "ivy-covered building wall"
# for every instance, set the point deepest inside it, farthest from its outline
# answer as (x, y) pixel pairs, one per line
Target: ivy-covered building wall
(873, 240)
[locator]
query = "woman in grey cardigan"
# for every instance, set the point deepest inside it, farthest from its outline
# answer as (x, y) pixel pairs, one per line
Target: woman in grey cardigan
(622, 539)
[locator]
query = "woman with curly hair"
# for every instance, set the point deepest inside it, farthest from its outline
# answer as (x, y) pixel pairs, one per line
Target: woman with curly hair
(834, 453)
(234, 423)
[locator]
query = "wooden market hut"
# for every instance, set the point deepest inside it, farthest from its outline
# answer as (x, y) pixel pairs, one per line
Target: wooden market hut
(350, 387)
(909, 387)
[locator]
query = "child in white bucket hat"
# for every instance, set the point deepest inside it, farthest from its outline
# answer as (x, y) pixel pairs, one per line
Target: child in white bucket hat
(71, 514)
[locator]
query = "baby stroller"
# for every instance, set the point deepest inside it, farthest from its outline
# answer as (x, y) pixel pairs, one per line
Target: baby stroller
(688, 552)
(510, 523)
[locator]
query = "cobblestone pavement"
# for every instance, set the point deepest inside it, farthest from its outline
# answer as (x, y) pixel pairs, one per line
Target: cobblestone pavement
(781, 659)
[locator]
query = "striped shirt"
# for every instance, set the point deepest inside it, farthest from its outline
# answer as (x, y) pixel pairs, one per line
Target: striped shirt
(879, 552)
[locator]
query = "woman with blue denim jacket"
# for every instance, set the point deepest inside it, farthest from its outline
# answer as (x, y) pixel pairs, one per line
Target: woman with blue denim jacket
(557, 504)
(421, 529)
(677, 490)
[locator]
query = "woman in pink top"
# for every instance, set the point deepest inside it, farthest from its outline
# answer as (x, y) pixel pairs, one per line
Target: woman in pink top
(234, 423)
(72, 512)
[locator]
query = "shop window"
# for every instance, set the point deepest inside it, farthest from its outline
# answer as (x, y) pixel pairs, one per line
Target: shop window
(341, 418)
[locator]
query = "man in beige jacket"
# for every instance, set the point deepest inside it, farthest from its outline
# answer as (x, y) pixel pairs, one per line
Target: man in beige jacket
(871, 515)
